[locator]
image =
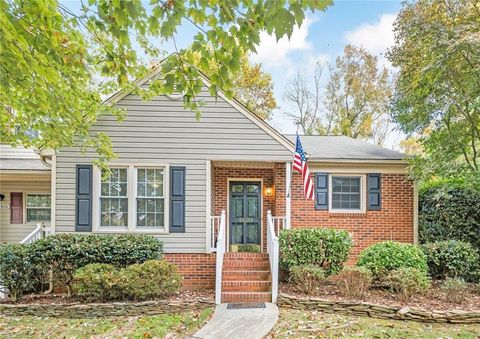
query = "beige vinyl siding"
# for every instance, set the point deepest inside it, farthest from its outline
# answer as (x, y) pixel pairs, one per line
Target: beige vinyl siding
(15, 233)
(10, 152)
(161, 131)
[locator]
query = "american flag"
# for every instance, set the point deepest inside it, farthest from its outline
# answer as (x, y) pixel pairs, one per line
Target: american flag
(300, 165)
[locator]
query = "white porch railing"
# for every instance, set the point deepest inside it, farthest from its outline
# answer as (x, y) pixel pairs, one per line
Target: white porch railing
(279, 224)
(220, 249)
(38, 233)
(274, 226)
(214, 228)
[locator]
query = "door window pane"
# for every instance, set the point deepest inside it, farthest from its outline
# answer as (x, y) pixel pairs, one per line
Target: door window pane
(38, 208)
(150, 197)
(114, 198)
(346, 193)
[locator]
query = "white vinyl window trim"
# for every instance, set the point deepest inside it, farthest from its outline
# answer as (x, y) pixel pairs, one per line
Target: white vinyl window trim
(131, 226)
(363, 193)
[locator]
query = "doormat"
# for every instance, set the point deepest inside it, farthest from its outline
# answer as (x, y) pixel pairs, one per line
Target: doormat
(242, 306)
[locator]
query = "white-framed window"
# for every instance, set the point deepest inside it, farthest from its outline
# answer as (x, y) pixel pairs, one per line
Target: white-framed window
(150, 200)
(38, 207)
(114, 198)
(133, 197)
(347, 193)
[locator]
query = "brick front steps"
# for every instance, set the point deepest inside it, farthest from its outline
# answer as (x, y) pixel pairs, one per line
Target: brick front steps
(246, 278)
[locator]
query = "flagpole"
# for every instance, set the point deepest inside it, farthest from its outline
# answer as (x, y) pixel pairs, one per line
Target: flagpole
(289, 188)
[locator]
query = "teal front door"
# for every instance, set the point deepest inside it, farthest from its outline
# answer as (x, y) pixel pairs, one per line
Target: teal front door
(245, 213)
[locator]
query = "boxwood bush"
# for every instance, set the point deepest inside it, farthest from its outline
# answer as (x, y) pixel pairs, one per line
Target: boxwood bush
(452, 258)
(323, 247)
(407, 281)
(306, 278)
(98, 282)
(65, 253)
(384, 257)
(447, 211)
(152, 279)
(17, 269)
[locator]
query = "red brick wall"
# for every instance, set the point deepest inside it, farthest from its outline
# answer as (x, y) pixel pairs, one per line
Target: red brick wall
(198, 270)
(393, 222)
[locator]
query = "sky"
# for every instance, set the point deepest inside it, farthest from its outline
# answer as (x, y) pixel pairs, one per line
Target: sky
(321, 38)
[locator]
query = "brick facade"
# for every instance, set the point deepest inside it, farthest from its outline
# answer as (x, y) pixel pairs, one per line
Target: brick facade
(220, 176)
(198, 270)
(393, 222)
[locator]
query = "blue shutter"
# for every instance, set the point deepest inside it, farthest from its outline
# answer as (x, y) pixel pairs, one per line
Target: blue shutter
(321, 191)
(177, 199)
(374, 191)
(83, 198)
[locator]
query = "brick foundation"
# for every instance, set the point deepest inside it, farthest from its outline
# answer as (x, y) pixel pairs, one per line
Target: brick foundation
(393, 222)
(197, 269)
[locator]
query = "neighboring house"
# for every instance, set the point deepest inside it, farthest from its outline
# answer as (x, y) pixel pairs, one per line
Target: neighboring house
(25, 185)
(175, 174)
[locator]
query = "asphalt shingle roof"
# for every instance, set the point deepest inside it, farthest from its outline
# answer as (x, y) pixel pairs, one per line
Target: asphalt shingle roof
(342, 147)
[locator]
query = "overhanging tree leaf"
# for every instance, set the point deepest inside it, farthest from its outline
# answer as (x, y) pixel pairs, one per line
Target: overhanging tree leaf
(58, 64)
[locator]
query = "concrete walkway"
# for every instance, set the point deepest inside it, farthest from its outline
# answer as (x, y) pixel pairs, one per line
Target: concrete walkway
(249, 323)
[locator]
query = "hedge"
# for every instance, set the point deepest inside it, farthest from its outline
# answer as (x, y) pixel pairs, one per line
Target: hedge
(452, 258)
(449, 211)
(23, 266)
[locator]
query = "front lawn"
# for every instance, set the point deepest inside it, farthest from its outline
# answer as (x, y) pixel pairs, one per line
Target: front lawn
(154, 326)
(313, 324)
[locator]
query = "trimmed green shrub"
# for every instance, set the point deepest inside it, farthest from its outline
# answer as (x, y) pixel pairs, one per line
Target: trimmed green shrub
(449, 211)
(384, 257)
(323, 247)
(151, 280)
(407, 281)
(65, 253)
(456, 289)
(98, 282)
(17, 269)
(306, 278)
(452, 258)
(354, 281)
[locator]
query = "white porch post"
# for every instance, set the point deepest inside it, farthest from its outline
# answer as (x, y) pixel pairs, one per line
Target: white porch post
(208, 206)
(288, 195)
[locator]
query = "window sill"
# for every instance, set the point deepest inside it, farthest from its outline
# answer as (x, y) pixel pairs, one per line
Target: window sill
(104, 230)
(354, 214)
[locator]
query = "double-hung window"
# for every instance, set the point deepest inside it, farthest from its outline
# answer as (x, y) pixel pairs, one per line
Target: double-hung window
(114, 198)
(132, 198)
(38, 207)
(346, 193)
(150, 198)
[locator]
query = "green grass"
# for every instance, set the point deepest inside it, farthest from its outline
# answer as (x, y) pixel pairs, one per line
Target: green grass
(311, 324)
(154, 326)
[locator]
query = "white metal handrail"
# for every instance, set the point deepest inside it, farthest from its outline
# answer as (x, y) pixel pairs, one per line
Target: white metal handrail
(219, 259)
(214, 226)
(38, 233)
(273, 254)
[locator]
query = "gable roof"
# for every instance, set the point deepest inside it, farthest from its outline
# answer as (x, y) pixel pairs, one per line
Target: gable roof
(119, 95)
(339, 147)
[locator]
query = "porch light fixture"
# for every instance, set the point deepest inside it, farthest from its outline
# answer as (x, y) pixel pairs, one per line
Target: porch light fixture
(269, 191)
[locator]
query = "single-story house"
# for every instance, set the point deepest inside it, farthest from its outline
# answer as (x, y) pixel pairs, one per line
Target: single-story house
(175, 174)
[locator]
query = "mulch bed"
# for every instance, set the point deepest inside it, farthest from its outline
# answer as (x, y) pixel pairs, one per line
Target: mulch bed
(64, 299)
(434, 299)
